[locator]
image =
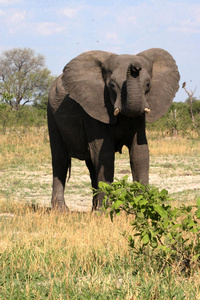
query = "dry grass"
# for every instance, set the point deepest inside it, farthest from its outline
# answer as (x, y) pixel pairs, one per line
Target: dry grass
(80, 232)
(79, 256)
(33, 146)
(49, 249)
(160, 145)
(22, 146)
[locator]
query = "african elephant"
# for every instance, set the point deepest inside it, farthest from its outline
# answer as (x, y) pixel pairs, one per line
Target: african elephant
(98, 105)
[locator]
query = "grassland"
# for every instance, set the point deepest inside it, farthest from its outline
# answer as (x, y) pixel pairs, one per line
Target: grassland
(81, 255)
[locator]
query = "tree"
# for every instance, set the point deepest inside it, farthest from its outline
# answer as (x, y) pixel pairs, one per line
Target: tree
(191, 100)
(23, 77)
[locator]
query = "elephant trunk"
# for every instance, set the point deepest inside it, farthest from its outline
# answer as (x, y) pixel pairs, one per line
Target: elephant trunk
(133, 97)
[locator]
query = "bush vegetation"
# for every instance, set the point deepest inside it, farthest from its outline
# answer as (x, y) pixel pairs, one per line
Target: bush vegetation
(173, 231)
(177, 121)
(27, 116)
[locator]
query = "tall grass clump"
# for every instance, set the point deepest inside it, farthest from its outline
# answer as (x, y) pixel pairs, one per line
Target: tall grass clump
(21, 146)
(166, 145)
(46, 255)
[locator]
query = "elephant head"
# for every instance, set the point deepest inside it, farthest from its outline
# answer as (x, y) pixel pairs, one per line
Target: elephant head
(106, 84)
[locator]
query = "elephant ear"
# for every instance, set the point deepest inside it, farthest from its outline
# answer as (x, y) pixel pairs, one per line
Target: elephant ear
(164, 83)
(83, 81)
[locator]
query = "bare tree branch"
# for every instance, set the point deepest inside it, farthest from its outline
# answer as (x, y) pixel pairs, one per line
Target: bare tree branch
(190, 95)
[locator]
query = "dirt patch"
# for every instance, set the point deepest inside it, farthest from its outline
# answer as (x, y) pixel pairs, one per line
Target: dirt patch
(179, 175)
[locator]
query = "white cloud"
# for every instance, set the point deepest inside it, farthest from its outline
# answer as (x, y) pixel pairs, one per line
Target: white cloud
(186, 17)
(189, 25)
(113, 38)
(127, 19)
(2, 13)
(49, 28)
(185, 29)
(71, 12)
(13, 19)
(17, 17)
(10, 2)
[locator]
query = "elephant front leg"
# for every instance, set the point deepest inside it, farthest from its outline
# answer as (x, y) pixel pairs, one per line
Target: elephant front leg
(139, 154)
(57, 200)
(101, 168)
(102, 155)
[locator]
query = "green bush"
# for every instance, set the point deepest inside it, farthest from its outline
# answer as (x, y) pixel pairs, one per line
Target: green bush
(178, 120)
(26, 117)
(173, 231)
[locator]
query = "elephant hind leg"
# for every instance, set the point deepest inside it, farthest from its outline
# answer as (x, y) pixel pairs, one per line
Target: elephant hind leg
(61, 163)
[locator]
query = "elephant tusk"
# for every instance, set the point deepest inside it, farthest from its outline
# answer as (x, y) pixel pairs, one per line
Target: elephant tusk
(116, 111)
(147, 110)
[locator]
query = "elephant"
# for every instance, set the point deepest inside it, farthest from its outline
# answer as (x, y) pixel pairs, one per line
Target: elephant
(100, 103)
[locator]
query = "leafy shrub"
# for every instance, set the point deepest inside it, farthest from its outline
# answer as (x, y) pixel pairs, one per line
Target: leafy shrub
(174, 232)
(25, 117)
(177, 120)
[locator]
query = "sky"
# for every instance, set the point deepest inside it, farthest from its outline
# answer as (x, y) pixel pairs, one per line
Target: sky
(61, 29)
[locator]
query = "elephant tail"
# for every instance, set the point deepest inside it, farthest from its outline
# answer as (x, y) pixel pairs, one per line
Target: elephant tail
(69, 168)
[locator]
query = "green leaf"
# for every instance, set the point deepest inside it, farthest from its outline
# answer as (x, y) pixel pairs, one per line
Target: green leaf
(166, 223)
(111, 215)
(103, 185)
(164, 193)
(140, 215)
(143, 202)
(117, 212)
(195, 257)
(155, 232)
(198, 202)
(137, 199)
(145, 239)
(117, 204)
(198, 213)
(160, 210)
(154, 243)
(131, 242)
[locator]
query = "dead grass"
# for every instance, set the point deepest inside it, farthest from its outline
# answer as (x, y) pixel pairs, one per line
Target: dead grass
(30, 146)
(79, 256)
(160, 145)
(75, 231)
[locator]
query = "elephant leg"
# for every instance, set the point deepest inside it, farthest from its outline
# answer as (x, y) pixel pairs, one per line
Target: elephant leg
(60, 163)
(94, 183)
(102, 155)
(139, 153)
(101, 168)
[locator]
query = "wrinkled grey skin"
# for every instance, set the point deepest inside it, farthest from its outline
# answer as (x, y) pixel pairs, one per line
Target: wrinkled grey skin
(98, 105)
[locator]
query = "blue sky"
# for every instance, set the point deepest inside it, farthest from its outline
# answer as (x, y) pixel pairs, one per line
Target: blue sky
(62, 29)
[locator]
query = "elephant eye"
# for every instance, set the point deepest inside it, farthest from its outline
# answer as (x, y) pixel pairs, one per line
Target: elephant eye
(112, 85)
(148, 85)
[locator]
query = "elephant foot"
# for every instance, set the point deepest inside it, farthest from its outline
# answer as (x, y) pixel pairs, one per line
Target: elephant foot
(97, 206)
(96, 209)
(60, 207)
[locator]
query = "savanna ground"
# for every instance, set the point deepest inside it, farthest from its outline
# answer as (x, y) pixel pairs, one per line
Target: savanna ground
(82, 255)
